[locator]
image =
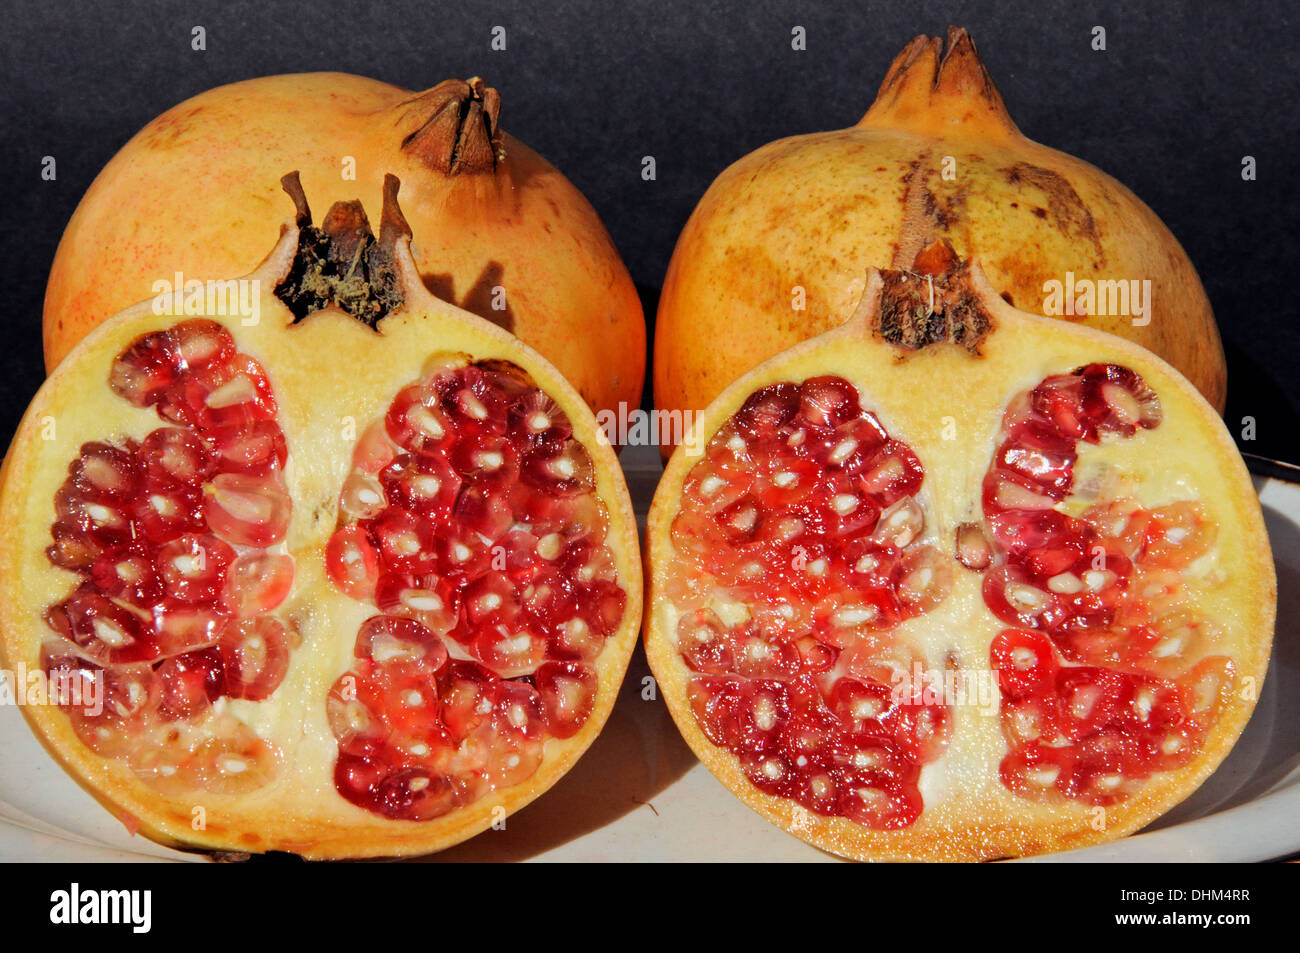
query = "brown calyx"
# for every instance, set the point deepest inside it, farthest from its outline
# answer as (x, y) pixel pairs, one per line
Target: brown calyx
(340, 264)
(930, 303)
(456, 129)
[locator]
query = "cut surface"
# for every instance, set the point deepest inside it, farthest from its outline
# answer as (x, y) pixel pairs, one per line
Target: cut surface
(252, 536)
(962, 604)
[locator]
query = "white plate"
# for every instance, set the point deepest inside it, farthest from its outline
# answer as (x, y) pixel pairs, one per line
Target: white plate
(640, 795)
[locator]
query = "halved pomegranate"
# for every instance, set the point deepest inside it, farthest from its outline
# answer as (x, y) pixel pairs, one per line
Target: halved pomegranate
(334, 581)
(958, 582)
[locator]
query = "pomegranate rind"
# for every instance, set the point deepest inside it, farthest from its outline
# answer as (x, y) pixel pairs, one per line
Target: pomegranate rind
(797, 221)
(919, 396)
(184, 195)
(300, 811)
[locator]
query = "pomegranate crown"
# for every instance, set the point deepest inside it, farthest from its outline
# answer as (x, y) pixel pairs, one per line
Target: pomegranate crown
(455, 127)
(933, 89)
(340, 263)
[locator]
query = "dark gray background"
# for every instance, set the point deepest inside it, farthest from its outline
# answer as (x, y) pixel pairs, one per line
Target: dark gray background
(1180, 95)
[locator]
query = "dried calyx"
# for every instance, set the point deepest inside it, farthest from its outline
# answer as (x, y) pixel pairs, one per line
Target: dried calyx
(340, 263)
(458, 131)
(932, 302)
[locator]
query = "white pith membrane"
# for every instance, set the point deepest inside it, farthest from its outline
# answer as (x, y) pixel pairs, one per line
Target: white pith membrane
(805, 565)
(443, 702)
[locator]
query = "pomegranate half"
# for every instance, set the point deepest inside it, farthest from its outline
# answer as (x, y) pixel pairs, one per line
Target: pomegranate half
(336, 567)
(954, 581)
(498, 229)
(775, 251)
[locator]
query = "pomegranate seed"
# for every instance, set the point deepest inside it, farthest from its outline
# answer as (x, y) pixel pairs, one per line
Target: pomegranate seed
(490, 462)
(568, 692)
(104, 474)
(827, 402)
(402, 541)
(893, 474)
(385, 639)
(482, 512)
(766, 411)
(247, 510)
(509, 652)
(192, 568)
(536, 420)
(362, 497)
(255, 653)
(181, 628)
(374, 450)
(174, 455)
(258, 582)
(415, 422)
(560, 471)
(190, 683)
(352, 563)
(200, 343)
(429, 599)
(106, 631)
(222, 397)
(464, 553)
(142, 372)
(425, 485)
(1025, 663)
(900, 524)
(415, 794)
(234, 764)
(255, 446)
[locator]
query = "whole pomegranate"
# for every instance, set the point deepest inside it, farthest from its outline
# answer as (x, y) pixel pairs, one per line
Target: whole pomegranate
(777, 249)
(346, 566)
(954, 581)
(499, 231)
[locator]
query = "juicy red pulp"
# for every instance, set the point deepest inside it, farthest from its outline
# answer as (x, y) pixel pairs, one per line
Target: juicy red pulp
(471, 522)
(803, 510)
(1097, 692)
(798, 533)
(172, 539)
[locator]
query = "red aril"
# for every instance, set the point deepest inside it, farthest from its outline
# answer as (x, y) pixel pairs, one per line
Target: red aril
(249, 533)
(954, 581)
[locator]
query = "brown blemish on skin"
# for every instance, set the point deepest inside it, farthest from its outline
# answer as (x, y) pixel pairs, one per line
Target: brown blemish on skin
(918, 225)
(1065, 210)
(927, 213)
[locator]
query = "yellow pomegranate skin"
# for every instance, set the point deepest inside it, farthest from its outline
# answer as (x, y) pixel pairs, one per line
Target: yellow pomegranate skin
(778, 248)
(197, 191)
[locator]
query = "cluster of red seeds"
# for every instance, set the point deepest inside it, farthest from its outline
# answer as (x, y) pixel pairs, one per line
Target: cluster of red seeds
(173, 539)
(803, 510)
(1096, 691)
(470, 520)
